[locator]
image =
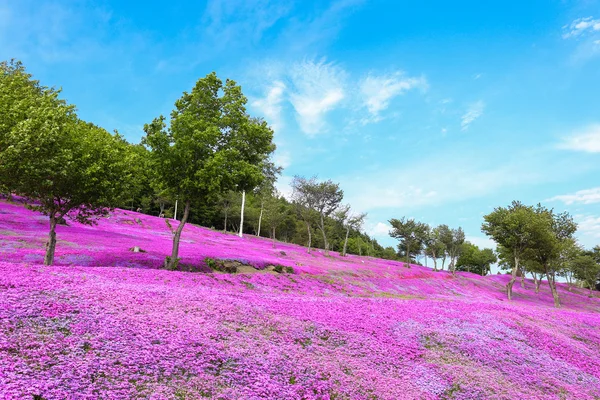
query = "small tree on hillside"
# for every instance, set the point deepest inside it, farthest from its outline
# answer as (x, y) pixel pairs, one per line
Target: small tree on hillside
(434, 246)
(476, 260)
(586, 270)
(412, 235)
(453, 240)
(275, 212)
(211, 146)
(512, 228)
(305, 201)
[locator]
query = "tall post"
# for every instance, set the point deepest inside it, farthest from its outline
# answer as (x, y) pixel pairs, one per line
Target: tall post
(242, 213)
(175, 216)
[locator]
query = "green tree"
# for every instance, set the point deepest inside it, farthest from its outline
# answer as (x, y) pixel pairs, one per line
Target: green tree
(60, 165)
(305, 202)
(212, 145)
(412, 235)
(350, 222)
(274, 212)
(453, 240)
(587, 270)
(476, 260)
(434, 246)
(513, 228)
(551, 234)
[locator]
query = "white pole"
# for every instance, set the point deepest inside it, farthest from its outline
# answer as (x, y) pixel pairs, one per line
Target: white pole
(242, 213)
(175, 210)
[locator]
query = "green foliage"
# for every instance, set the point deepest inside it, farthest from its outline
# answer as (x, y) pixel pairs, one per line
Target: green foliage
(476, 260)
(62, 166)
(211, 146)
(586, 269)
(412, 236)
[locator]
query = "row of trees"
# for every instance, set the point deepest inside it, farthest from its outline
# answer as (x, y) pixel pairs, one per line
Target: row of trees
(530, 239)
(210, 158)
(440, 243)
(213, 159)
(540, 241)
(66, 167)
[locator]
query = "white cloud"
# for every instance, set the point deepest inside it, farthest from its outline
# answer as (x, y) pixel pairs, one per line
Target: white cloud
(587, 140)
(242, 21)
(378, 91)
(379, 229)
(581, 26)
(434, 181)
(282, 158)
(587, 196)
(482, 242)
(284, 186)
(317, 88)
(474, 111)
(588, 230)
(270, 105)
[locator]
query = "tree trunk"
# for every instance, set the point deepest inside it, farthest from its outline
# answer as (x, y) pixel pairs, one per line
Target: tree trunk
(225, 222)
(51, 244)
(443, 262)
(407, 256)
(523, 279)
(242, 213)
(273, 237)
(346, 241)
(325, 244)
(262, 204)
(513, 278)
(434, 262)
(309, 236)
(172, 262)
(538, 282)
(552, 283)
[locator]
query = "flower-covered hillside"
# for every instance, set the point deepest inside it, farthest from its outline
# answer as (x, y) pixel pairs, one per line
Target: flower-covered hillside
(336, 328)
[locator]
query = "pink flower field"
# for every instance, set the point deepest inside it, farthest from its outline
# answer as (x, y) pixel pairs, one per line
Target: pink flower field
(107, 323)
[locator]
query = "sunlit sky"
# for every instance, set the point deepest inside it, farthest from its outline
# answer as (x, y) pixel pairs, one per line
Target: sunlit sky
(435, 110)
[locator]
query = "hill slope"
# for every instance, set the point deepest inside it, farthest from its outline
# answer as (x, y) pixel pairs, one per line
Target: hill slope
(343, 328)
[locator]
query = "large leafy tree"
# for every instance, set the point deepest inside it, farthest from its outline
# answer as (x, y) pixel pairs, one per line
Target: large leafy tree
(513, 228)
(552, 235)
(411, 234)
(212, 145)
(61, 166)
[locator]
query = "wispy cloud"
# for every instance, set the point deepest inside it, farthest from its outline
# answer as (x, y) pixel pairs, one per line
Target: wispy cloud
(581, 26)
(588, 229)
(482, 242)
(586, 140)
(378, 90)
(378, 229)
(242, 21)
(433, 181)
(474, 111)
(270, 105)
(586, 196)
(316, 89)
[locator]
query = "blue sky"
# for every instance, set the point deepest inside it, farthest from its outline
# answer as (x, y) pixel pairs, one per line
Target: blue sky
(434, 110)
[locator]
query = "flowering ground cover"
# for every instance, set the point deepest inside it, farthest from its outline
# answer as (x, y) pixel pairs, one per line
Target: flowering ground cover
(106, 323)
